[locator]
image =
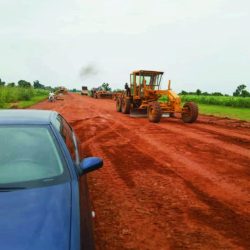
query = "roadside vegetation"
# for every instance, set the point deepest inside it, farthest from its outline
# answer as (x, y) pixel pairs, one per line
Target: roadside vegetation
(21, 95)
(229, 101)
(236, 106)
(224, 111)
(240, 98)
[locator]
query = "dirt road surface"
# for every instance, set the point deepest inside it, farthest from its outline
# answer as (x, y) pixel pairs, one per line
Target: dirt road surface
(164, 186)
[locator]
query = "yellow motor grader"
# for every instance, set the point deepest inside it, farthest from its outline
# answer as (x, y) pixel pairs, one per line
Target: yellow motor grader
(143, 95)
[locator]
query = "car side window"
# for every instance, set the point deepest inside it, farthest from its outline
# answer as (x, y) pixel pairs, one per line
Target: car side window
(68, 136)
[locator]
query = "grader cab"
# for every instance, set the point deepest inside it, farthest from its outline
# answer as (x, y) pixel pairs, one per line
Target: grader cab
(144, 95)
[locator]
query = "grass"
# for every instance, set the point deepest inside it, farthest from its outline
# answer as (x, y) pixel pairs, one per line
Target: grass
(20, 97)
(226, 106)
(24, 104)
(230, 101)
(223, 111)
(32, 101)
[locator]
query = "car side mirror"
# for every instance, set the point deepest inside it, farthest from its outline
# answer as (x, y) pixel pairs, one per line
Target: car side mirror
(90, 164)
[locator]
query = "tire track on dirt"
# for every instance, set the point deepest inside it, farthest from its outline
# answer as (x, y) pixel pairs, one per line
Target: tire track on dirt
(173, 232)
(226, 135)
(190, 165)
(148, 197)
(187, 165)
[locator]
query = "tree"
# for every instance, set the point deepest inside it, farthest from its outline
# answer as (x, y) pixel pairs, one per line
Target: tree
(38, 85)
(217, 94)
(24, 84)
(198, 92)
(105, 86)
(117, 90)
(2, 83)
(49, 88)
(245, 93)
(11, 84)
(183, 92)
(239, 90)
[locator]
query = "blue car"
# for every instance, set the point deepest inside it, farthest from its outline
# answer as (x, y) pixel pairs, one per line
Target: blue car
(43, 203)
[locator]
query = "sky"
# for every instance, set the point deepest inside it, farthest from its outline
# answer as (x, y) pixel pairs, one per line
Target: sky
(198, 44)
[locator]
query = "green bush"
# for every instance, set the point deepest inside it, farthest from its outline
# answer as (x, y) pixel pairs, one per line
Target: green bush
(25, 94)
(231, 101)
(2, 98)
(16, 94)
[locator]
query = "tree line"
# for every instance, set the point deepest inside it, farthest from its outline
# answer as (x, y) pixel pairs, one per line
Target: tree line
(25, 84)
(240, 92)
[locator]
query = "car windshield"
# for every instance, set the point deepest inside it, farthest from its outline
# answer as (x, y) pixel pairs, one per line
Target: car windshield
(29, 155)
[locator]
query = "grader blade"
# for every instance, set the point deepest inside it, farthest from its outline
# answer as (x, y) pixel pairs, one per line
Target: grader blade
(138, 113)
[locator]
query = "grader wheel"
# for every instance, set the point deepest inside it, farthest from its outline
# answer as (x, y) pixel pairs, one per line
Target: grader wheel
(154, 112)
(192, 112)
(118, 104)
(125, 106)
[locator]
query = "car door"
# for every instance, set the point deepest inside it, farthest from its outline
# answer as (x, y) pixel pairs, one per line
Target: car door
(70, 139)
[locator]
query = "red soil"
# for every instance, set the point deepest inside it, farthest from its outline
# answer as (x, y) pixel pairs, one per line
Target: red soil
(164, 186)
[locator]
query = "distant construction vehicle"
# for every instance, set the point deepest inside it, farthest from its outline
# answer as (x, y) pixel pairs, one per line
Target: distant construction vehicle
(60, 92)
(84, 90)
(143, 96)
(99, 93)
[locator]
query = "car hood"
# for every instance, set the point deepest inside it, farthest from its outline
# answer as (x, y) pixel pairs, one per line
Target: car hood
(37, 218)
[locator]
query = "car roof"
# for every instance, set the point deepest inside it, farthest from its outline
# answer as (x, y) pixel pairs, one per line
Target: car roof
(27, 116)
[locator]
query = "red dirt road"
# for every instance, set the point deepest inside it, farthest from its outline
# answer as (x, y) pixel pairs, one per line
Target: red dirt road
(164, 186)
